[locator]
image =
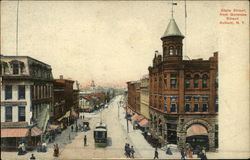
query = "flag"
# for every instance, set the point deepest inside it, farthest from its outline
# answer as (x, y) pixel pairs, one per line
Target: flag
(174, 4)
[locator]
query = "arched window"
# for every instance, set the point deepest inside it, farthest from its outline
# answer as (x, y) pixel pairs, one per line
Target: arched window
(196, 81)
(204, 81)
(171, 51)
(178, 50)
(187, 81)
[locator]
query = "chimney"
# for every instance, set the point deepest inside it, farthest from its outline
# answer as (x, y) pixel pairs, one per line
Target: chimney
(61, 76)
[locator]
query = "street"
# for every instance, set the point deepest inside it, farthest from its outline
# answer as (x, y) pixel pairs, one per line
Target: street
(74, 148)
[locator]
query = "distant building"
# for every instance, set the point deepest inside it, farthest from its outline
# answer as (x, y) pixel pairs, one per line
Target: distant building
(26, 100)
(183, 95)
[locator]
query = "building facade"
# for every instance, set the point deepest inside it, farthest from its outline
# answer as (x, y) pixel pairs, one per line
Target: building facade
(134, 96)
(144, 96)
(26, 99)
(183, 95)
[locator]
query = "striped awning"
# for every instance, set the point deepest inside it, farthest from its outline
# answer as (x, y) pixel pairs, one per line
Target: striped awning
(15, 132)
(36, 131)
(196, 129)
(143, 123)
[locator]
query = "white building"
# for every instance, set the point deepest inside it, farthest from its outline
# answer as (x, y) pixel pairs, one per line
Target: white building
(26, 98)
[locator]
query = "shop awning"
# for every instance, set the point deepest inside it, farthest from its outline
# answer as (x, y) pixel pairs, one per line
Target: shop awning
(134, 117)
(143, 123)
(52, 127)
(17, 132)
(65, 116)
(85, 107)
(196, 129)
(36, 131)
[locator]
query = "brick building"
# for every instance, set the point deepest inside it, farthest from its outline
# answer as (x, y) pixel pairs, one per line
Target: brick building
(134, 96)
(183, 96)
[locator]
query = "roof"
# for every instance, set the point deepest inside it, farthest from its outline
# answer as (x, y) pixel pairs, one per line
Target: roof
(17, 132)
(172, 30)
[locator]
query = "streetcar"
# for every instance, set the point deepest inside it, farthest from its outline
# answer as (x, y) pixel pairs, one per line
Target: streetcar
(100, 135)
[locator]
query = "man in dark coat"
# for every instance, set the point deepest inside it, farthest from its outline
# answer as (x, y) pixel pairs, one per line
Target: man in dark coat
(85, 140)
(182, 153)
(156, 154)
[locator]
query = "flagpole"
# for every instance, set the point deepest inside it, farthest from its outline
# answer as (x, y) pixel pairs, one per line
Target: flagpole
(185, 28)
(17, 28)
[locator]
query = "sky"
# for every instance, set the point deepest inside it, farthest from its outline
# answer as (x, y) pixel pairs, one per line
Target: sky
(108, 42)
(114, 42)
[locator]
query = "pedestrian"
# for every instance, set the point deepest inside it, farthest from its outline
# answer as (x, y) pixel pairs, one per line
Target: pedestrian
(156, 154)
(85, 140)
(44, 147)
(23, 148)
(169, 151)
(128, 150)
(72, 128)
(182, 153)
(132, 151)
(32, 157)
(39, 146)
(20, 151)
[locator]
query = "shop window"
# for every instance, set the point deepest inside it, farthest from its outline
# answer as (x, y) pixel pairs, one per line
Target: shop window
(196, 81)
(165, 104)
(21, 92)
(173, 107)
(8, 114)
(196, 107)
(187, 107)
(8, 92)
(21, 113)
(204, 81)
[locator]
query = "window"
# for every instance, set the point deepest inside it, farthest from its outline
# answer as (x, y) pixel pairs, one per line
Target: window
(187, 107)
(165, 80)
(21, 113)
(187, 83)
(165, 104)
(179, 50)
(173, 108)
(171, 51)
(196, 107)
(196, 98)
(15, 67)
(216, 82)
(8, 92)
(196, 81)
(21, 92)
(188, 98)
(173, 80)
(205, 98)
(205, 107)
(8, 114)
(216, 104)
(204, 81)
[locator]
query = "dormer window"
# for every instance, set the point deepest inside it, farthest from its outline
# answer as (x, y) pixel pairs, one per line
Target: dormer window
(171, 51)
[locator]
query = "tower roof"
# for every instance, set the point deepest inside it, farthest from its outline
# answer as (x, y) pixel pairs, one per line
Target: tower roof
(172, 29)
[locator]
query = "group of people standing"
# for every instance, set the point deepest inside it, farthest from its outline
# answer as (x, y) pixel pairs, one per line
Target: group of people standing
(41, 147)
(129, 151)
(188, 153)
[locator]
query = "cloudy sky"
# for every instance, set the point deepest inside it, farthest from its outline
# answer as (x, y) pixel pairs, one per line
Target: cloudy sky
(109, 42)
